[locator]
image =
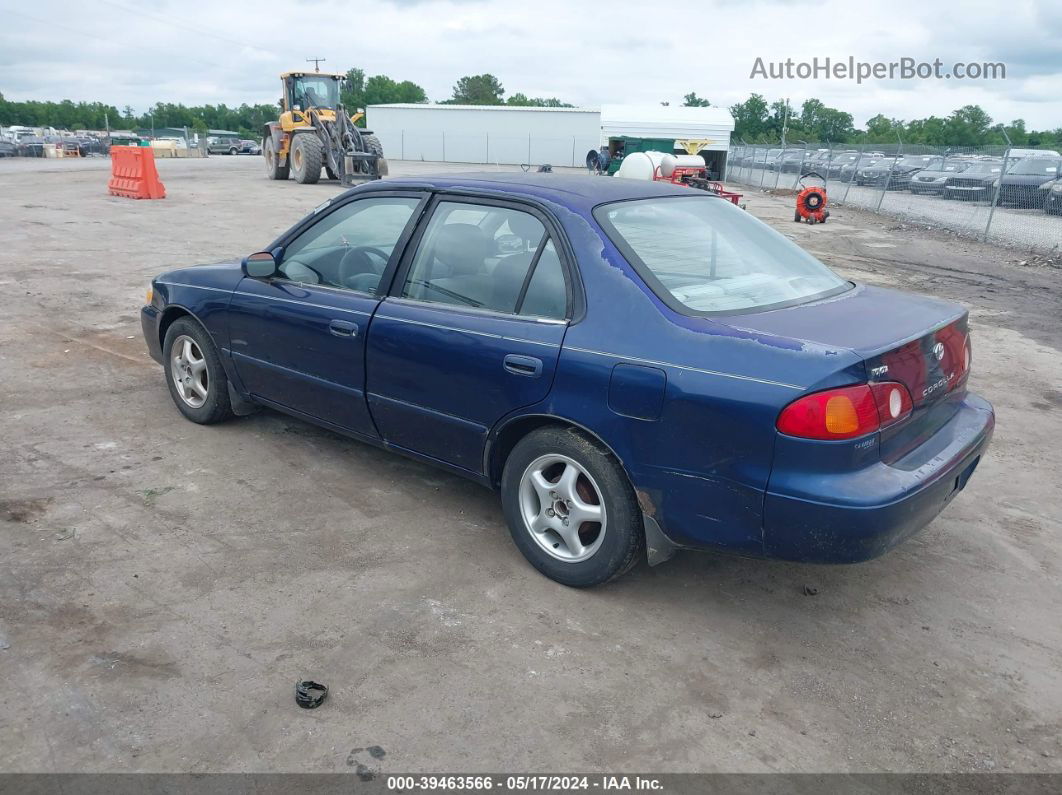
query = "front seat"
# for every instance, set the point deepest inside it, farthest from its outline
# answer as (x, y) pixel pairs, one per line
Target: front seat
(459, 257)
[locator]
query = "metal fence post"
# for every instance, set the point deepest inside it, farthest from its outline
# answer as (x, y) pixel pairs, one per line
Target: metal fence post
(885, 188)
(800, 168)
(855, 168)
(778, 164)
(995, 194)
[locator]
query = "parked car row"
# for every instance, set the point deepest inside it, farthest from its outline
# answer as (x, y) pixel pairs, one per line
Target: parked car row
(1033, 178)
(26, 142)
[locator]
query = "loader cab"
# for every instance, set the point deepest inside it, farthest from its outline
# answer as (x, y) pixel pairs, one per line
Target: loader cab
(305, 90)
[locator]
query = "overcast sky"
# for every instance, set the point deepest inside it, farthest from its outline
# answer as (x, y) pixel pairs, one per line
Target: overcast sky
(135, 52)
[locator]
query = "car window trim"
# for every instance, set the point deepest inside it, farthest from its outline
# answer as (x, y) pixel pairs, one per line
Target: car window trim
(530, 273)
(541, 214)
(279, 246)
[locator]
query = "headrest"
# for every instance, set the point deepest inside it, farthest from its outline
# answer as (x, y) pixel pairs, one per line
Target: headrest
(463, 247)
(526, 227)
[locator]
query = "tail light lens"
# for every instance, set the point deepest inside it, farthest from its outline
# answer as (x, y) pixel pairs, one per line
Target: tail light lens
(846, 412)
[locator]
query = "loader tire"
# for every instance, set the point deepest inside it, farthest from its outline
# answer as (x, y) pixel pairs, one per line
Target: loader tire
(273, 168)
(306, 159)
(372, 143)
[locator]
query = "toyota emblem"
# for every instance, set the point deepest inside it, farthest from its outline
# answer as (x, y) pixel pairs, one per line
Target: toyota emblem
(938, 351)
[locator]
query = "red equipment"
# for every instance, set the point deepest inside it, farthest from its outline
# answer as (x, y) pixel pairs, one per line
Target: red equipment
(696, 177)
(811, 202)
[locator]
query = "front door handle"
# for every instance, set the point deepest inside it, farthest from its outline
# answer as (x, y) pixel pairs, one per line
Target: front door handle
(523, 365)
(343, 328)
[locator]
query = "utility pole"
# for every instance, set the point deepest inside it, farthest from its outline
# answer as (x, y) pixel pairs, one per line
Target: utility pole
(316, 63)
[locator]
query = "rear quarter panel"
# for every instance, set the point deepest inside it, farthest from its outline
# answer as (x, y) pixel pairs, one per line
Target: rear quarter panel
(702, 466)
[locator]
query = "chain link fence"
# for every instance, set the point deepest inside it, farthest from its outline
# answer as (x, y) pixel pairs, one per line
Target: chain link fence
(1005, 195)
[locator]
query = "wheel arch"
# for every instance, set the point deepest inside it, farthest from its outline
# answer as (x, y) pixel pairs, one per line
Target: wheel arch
(506, 436)
(170, 315)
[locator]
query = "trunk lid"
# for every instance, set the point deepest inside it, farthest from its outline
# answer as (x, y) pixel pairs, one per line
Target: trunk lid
(917, 341)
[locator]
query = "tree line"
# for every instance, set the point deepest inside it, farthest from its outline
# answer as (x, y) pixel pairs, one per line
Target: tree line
(758, 121)
(359, 91)
(755, 120)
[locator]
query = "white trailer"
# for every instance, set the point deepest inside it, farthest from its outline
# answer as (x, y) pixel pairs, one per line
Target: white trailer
(676, 123)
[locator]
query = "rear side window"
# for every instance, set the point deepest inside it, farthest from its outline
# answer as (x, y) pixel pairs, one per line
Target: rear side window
(487, 257)
(702, 255)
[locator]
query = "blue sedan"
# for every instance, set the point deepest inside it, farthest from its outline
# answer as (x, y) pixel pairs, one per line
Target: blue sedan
(636, 367)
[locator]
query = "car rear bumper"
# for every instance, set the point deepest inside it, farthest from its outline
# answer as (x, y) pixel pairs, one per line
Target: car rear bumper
(856, 516)
(149, 323)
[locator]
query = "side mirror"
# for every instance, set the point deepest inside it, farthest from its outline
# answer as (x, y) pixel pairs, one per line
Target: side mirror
(261, 265)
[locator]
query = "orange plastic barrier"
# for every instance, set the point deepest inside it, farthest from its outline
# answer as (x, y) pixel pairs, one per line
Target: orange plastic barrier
(133, 173)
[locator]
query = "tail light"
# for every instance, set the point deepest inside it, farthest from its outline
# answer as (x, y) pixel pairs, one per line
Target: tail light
(846, 412)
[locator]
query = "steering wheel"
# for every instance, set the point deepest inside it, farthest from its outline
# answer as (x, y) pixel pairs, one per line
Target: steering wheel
(359, 259)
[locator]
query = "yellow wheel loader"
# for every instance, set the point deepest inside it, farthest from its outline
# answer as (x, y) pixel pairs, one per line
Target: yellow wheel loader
(315, 132)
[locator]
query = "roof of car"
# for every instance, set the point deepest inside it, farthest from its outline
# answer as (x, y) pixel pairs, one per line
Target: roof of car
(582, 190)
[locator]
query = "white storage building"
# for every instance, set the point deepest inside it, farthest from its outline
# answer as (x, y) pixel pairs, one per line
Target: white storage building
(485, 133)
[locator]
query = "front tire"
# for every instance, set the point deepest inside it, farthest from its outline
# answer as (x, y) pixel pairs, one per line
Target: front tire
(273, 168)
(570, 508)
(307, 157)
(194, 373)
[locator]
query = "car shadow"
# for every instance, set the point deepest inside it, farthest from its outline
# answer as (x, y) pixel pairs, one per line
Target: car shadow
(710, 579)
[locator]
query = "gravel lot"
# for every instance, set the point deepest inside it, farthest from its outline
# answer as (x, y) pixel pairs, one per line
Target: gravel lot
(163, 585)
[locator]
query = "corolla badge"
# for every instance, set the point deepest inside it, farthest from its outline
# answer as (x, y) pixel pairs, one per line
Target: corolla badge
(938, 351)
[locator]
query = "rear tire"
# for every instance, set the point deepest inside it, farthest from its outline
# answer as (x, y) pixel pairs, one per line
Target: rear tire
(372, 143)
(273, 168)
(306, 158)
(550, 514)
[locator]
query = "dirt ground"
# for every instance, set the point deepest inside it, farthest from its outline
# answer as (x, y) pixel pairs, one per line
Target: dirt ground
(163, 585)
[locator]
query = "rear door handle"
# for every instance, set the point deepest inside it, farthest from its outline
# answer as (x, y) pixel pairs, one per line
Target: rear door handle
(523, 365)
(343, 328)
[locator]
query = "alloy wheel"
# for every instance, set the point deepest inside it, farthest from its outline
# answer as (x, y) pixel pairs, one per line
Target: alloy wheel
(189, 371)
(562, 509)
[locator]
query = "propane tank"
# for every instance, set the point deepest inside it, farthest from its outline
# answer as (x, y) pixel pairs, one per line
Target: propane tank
(671, 162)
(640, 165)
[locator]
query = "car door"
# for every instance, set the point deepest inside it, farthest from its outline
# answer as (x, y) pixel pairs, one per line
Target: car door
(471, 329)
(298, 339)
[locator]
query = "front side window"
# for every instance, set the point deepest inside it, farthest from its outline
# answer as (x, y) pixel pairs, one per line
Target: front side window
(482, 256)
(705, 255)
(351, 246)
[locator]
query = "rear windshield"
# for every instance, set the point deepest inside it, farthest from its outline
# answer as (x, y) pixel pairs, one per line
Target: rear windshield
(702, 254)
